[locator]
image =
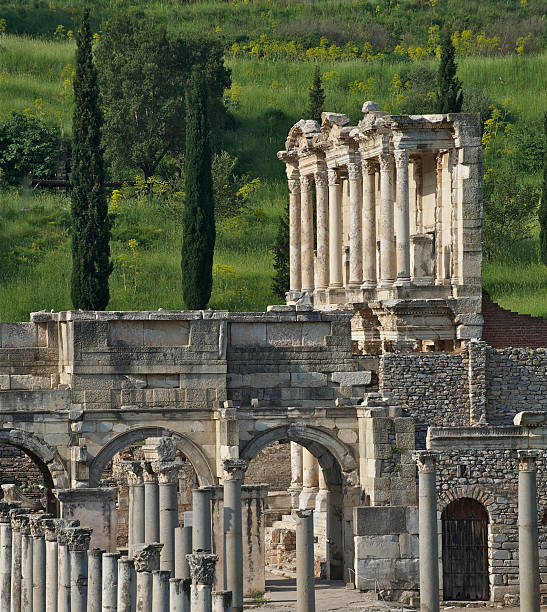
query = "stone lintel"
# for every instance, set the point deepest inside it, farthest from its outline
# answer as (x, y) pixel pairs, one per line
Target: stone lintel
(86, 494)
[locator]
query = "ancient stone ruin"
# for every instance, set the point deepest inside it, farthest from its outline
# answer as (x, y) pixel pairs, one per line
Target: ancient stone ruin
(181, 451)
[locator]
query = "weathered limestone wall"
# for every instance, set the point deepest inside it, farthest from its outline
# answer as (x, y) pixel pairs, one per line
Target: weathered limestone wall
(516, 380)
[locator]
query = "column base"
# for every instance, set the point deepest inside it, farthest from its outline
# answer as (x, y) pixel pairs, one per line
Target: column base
(403, 281)
(386, 283)
(369, 285)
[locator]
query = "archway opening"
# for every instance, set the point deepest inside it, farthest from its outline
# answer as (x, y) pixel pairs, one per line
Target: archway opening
(465, 551)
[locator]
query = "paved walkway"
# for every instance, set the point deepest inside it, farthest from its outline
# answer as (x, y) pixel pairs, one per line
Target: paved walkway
(333, 597)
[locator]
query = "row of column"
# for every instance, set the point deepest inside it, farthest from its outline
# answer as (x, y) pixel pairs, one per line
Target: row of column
(527, 524)
(394, 221)
(308, 487)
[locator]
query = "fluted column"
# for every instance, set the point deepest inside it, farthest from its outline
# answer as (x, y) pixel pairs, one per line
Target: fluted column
(402, 219)
(322, 210)
(335, 229)
(5, 558)
(168, 502)
(78, 545)
(369, 224)
(355, 214)
(151, 505)
(306, 232)
(387, 236)
(295, 270)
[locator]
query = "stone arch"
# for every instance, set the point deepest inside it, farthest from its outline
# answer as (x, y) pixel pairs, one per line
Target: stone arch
(476, 492)
(332, 454)
(189, 448)
(44, 456)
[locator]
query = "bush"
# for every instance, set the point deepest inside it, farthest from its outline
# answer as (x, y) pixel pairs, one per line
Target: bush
(27, 144)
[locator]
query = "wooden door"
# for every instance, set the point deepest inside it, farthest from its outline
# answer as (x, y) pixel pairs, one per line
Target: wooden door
(465, 551)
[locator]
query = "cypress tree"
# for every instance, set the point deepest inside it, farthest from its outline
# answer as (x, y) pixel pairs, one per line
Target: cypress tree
(316, 98)
(91, 265)
(450, 94)
(542, 213)
(198, 217)
(281, 279)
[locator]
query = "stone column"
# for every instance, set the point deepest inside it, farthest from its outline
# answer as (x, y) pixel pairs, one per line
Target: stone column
(5, 559)
(306, 232)
(94, 580)
(528, 532)
(295, 270)
(15, 561)
(234, 472)
(322, 222)
(63, 566)
(402, 219)
(427, 515)
(183, 547)
(201, 519)
(169, 518)
(160, 590)
(151, 505)
(321, 499)
(146, 558)
(355, 216)
(387, 236)
(202, 569)
(305, 577)
(369, 224)
(310, 482)
(222, 601)
(137, 509)
(38, 564)
(296, 473)
(127, 588)
(50, 534)
(110, 582)
(335, 229)
(26, 564)
(176, 596)
(78, 539)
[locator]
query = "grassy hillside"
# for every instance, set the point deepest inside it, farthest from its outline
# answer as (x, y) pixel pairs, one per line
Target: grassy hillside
(266, 98)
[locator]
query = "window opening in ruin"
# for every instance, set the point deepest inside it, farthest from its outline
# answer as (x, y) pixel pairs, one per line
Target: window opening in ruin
(465, 551)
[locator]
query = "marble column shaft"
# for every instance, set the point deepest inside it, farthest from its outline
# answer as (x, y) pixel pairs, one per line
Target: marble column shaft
(110, 582)
(335, 229)
(305, 576)
(94, 580)
(176, 595)
(135, 481)
(295, 270)
(402, 218)
(127, 587)
(26, 565)
(369, 224)
(306, 233)
(5, 561)
(38, 564)
(15, 561)
(296, 473)
(63, 566)
(202, 569)
(355, 218)
(234, 472)
(52, 569)
(387, 235)
(151, 505)
(322, 223)
(201, 519)
(528, 532)
(168, 508)
(78, 539)
(428, 537)
(160, 590)
(310, 480)
(222, 601)
(183, 547)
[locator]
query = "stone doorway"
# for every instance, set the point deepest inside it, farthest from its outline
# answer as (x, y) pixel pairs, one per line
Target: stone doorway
(465, 551)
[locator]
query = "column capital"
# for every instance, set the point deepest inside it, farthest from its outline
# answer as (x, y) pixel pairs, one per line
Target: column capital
(202, 568)
(37, 528)
(426, 460)
(24, 524)
(334, 176)
(370, 166)
(50, 529)
(354, 171)
(234, 469)
(321, 178)
(134, 471)
(401, 157)
(146, 557)
(304, 513)
(294, 185)
(168, 472)
(161, 448)
(5, 508)
(386, 162)
(306, 181)
(527, 460)
(14, 516)
(148, 473)
(78, 538)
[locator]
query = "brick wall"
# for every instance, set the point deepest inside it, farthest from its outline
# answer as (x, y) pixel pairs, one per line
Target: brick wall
(20, 469)
(503, 328)
(271, 466)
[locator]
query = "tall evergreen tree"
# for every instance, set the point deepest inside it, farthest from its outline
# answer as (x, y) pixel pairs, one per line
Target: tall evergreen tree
(316, 98)
(281, 279)
(198, 218)
(542, 213)
(449, 94)
(91, 265)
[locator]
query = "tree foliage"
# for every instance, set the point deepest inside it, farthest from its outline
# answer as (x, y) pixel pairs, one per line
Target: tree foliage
(144, 73)
(281, 279)
(91, 265)
(27, 144)
(449, 94)
(316, 98)
(542, 212)
(198, 223)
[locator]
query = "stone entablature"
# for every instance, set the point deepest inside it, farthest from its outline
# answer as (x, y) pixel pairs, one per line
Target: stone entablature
(398, 208)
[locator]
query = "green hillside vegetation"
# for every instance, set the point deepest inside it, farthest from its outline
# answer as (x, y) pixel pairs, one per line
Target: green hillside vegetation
(267, 96)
